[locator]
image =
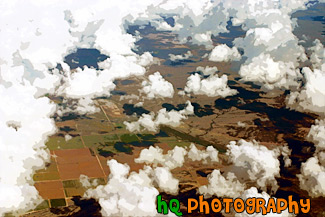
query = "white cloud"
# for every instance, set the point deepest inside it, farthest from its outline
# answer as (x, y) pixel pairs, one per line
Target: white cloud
(254, 162)
(212, 86)
(157, 86)
(30, 38)
(25, 124)
(176, 157)
(179, 57)
(268, 25)
(210, 154)
(126, 194)
(317, 134)
(87, 82)
(154, 155)
(241, 124)
(207, 70)
(249, 162)
(223, 53)
(253, 193)
(222, 186)
(312, 177)
(264, 70)
(311, 96)
(317, 57)
(151, 121)
(165, 180)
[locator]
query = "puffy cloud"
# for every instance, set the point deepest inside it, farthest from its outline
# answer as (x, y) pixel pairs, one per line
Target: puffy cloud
(222, 186)
(210, 154)
(28, 33)
(223, 53)
(84, 180)
(268, 25)
(157, 86)
(37, 49)
(151, 121)
(311, 96)
(253, 162)
(312, 177)
(82, 106)
(197, 20)
(264, 70)
(129, 193)
(317, 134)
(25, 124)
(207, 70)
(154, 155)
(179, 57)
(87, 82)
(165, 180)
(249, 162)
(176, 157)
(126, 194)
(212, 86)
(252, 192)
(241, 124)
(317, 57)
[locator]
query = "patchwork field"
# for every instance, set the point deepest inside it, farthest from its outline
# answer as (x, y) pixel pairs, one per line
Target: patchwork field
(83, 145)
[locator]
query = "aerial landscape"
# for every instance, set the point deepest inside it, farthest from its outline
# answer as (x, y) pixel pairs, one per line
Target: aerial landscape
(107, 106)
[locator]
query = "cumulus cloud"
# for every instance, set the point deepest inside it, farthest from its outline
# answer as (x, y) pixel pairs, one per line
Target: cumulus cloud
(241, 124)
(114, 197)
(83, 85)
(312, 177)
(249, 162)
(165, 180)
(143, 186)
(272, 74)
(311, 97)
(210, 154)
(176, 157)
(317, 57)
(268, 26)
(207, 70)
(212, 86)
(154, 155)
(252, 192)
(192, 16)
(253, 162)
(223, 53)
(221, 186)
(87, 82)
(179, 57)
(317, 134)
(30, 42)
(25, 124)
(82, 106)
(157, 86)
(151, 121)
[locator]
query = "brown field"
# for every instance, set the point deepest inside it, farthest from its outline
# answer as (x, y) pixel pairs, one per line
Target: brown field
(50, 189)
(74, 162)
